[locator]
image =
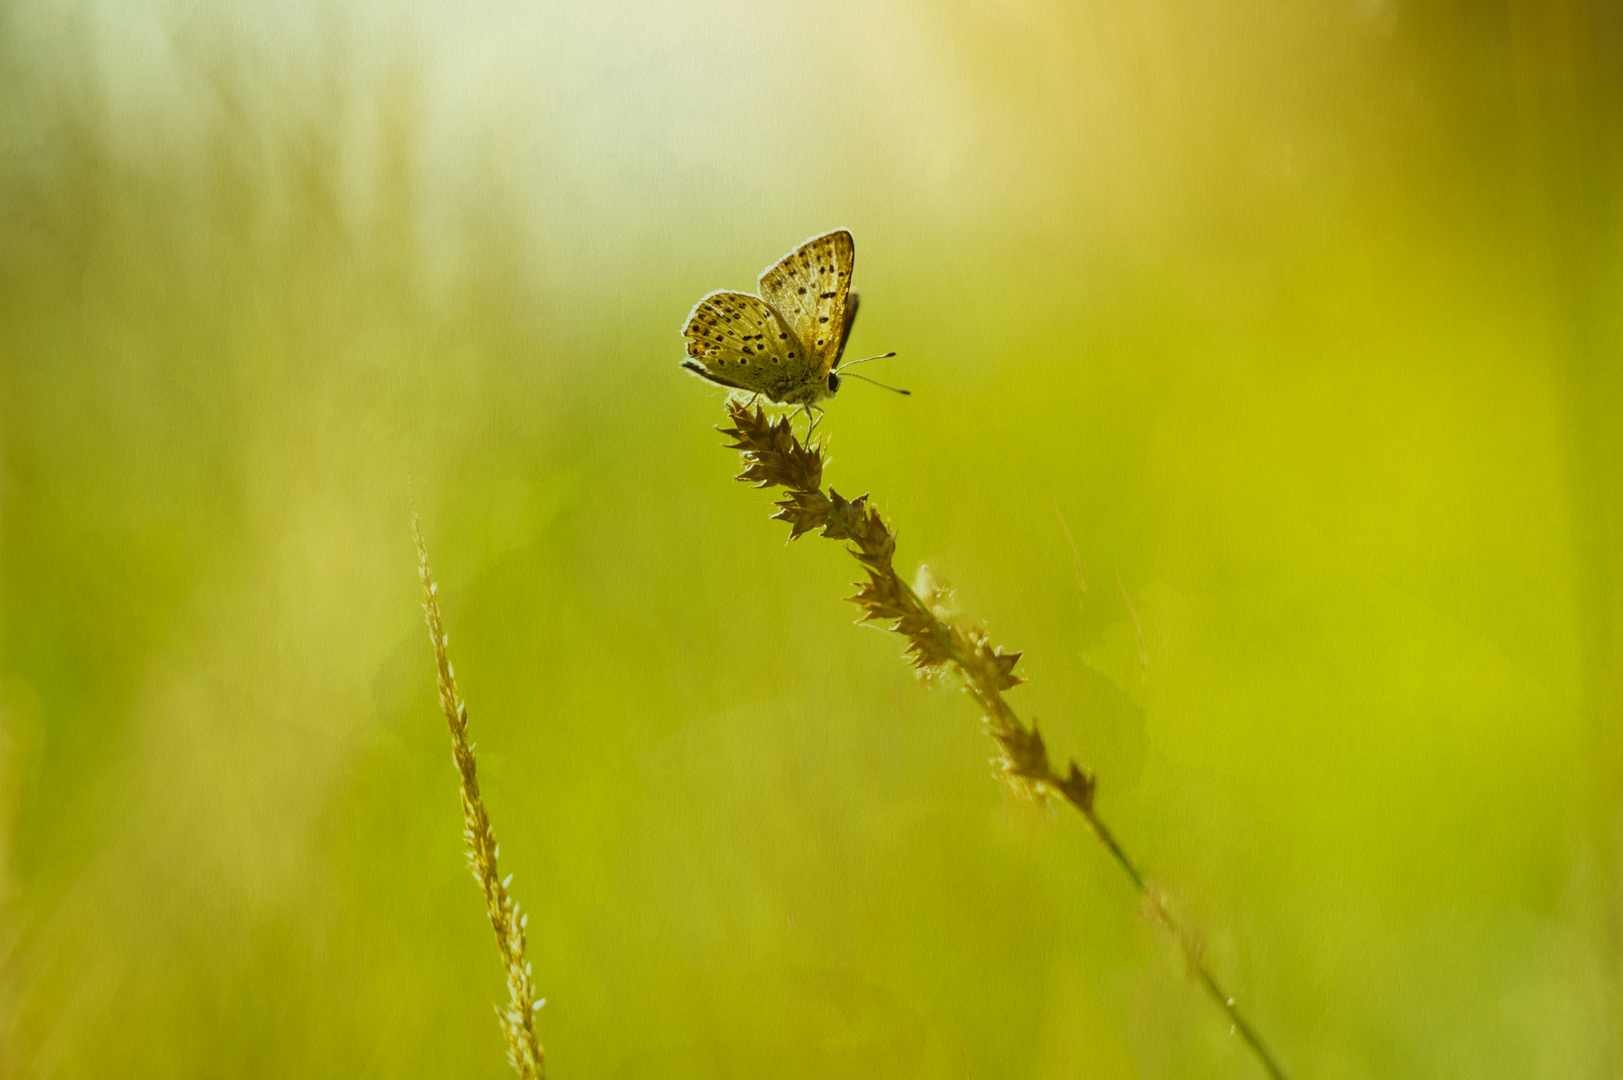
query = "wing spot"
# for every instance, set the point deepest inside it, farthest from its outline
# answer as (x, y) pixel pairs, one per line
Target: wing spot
(822, 318)
(802, 290)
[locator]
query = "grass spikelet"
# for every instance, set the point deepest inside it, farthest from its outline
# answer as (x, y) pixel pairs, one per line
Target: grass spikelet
(940, 644)
(517, 1017)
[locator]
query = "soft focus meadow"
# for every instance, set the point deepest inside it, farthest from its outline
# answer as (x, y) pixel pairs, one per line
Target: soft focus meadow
(1307, 317)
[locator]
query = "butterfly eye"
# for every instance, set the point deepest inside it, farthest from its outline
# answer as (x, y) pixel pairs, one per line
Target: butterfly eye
(833, 382)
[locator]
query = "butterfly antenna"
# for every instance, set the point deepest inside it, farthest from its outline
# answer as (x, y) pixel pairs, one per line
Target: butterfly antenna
(864, 360)
(876, 382)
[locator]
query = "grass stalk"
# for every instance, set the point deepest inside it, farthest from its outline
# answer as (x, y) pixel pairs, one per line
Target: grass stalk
(774, 457)
(517, 1017)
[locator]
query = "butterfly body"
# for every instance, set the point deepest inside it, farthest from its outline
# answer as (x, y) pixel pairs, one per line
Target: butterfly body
(786, 343)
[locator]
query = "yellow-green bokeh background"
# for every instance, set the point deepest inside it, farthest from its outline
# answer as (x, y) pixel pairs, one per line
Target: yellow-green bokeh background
(1305, 315)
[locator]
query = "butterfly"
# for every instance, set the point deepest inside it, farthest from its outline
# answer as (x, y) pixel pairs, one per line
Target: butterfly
(786, 343)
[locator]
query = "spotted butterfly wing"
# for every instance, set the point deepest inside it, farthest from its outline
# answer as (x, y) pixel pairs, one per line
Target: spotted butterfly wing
(808, 287)
(738, 340)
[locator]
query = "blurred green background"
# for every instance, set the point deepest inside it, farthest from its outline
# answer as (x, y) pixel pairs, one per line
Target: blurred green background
(1306, 316)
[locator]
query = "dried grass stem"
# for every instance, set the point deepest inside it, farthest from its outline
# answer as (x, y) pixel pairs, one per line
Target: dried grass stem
(774, 457)
(517, 1017)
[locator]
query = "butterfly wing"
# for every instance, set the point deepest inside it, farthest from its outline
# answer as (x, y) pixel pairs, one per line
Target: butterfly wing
(808, 287)
(851, 300)
(739, 341)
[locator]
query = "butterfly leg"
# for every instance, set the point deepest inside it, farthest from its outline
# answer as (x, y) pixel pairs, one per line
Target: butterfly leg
(811, 421)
